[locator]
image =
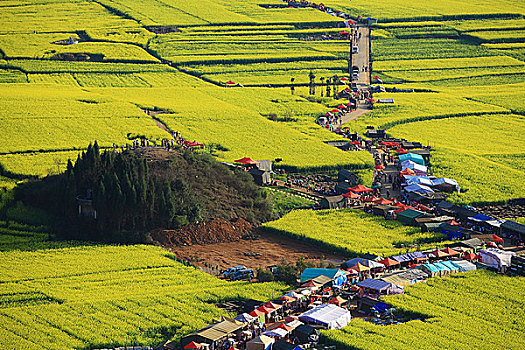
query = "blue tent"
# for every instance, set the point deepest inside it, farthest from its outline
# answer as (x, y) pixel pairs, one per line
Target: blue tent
(416, 158)
(380, 307)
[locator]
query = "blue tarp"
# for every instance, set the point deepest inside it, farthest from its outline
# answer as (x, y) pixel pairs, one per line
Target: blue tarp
(409, 256)
(445, 181)
(451, 235)
(481, 217)
(385, 100)
(451, 266)
(416, 158)
(374, 284)
(380, 307)
(418, 188)
(418, 180)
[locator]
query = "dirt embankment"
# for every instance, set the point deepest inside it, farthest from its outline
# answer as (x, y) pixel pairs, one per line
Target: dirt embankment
(214, 231)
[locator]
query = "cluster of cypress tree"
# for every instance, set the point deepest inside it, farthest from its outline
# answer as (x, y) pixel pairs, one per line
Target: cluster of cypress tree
(128, 200)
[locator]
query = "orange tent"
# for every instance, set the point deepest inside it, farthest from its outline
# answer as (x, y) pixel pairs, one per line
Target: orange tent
(360, 268)
(352, 195)
(383, 201)
(360, 188)
(470, 256)
(449, 251)
(439, 254)
(370, 199)
(337, 301)
(388, 262)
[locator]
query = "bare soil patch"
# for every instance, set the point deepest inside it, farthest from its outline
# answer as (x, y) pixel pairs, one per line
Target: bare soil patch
(272, 249)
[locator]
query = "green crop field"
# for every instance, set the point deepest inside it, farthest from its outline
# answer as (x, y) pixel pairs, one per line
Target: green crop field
(478, 309)
(88, 297)
(352, 232)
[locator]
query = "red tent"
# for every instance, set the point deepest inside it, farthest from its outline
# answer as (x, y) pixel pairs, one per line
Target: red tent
(405, 207)
(344, 32)
(497, 239)
(195, 144)
(402, 151)
(335, 110)
(379, 167)
(193, 345)
(370, 199)
(352, 195)
(375, 78)
(229, 82)
(355, 142)
(282, 325)
(449, 251)
(452, 222)
(341, 106)
(256, 313)
(390, 143)
(265, 310)
(408, 171)
(360, 188)
(388, 262)
(245, 160)
(336, 300)
(383, 201)
(470, 256)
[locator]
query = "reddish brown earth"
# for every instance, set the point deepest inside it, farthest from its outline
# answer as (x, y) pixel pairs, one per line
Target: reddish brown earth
(272, 250)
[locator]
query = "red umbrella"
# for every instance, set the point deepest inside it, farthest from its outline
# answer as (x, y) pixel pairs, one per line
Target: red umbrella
(375, 78)
(379, 167)
(229, 82)
(195, 144)
(245, 160)
(352, 195)
(344, 79)
(383, 201)
(344, 32)
(360, 188)
(497, 239)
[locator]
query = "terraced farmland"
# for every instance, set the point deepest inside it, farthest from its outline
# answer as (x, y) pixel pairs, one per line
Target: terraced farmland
(55, 298)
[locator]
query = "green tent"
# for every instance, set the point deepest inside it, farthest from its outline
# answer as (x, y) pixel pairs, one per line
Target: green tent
(408, 217)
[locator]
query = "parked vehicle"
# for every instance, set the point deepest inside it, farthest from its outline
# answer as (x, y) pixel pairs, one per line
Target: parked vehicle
(355, 49)
(238, 273)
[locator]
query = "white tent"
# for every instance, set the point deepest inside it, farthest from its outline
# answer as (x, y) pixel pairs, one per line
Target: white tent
(246, 318)
(464, 265)
(496, 257)
(261, 342)
(276, 332)
(328, 315)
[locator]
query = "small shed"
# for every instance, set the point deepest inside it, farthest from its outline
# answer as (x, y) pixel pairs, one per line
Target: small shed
(261, 342)
(375, 134)
(347, 176)
(342, 145)
(260, 177)
(513, 228)
(333, 202)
